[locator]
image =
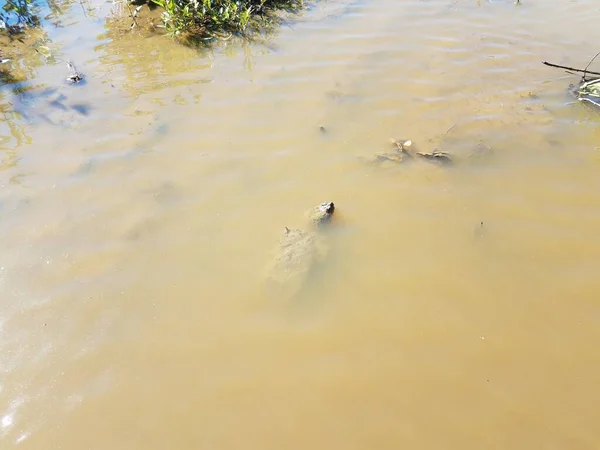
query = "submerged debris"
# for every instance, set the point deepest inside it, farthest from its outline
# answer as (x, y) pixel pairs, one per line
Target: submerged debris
(403, 154)
(436, 156)
(401, 147)
(401, 144)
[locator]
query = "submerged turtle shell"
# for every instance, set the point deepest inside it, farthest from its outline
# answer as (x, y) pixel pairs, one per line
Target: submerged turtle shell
(298, 251)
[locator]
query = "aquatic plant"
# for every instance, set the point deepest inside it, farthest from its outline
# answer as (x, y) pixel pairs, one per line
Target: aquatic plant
(207, 19)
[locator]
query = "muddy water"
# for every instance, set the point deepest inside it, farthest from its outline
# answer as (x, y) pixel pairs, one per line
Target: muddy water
(457, 308)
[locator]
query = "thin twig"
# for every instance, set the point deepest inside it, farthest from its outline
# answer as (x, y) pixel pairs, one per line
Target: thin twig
(131, 14)
(570, 68)
(83, 9)
(450, 129)
(586, 67)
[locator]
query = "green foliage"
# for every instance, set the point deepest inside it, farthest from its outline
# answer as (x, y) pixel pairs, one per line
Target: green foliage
(589, 91)
(591, 88)
(17, 13)
(207, 18)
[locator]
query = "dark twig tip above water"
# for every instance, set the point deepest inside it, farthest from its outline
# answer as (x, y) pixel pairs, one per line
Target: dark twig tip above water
(570, 68)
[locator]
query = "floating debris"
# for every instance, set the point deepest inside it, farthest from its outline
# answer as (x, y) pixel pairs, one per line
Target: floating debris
(401, 144)
(589, 91)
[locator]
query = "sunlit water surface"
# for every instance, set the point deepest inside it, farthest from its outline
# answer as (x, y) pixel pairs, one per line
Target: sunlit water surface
(458, 307)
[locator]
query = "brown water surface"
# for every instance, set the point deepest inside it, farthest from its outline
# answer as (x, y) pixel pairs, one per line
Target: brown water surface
(137, 213)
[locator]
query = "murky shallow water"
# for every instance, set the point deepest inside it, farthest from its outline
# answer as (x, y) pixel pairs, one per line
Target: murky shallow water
(134, 236)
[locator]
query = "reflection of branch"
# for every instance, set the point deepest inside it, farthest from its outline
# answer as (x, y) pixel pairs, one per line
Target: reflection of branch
(83, 9)
(16, 130)
(132, 14)
(19, 8)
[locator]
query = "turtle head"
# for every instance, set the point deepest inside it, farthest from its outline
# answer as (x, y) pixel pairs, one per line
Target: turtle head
(327, 208)
(321, 214)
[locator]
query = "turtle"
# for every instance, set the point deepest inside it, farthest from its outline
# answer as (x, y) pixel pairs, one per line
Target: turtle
(75, 76)
(298, 251)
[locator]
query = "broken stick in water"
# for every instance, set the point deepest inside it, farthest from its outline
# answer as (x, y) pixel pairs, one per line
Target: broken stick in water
(570, 68)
